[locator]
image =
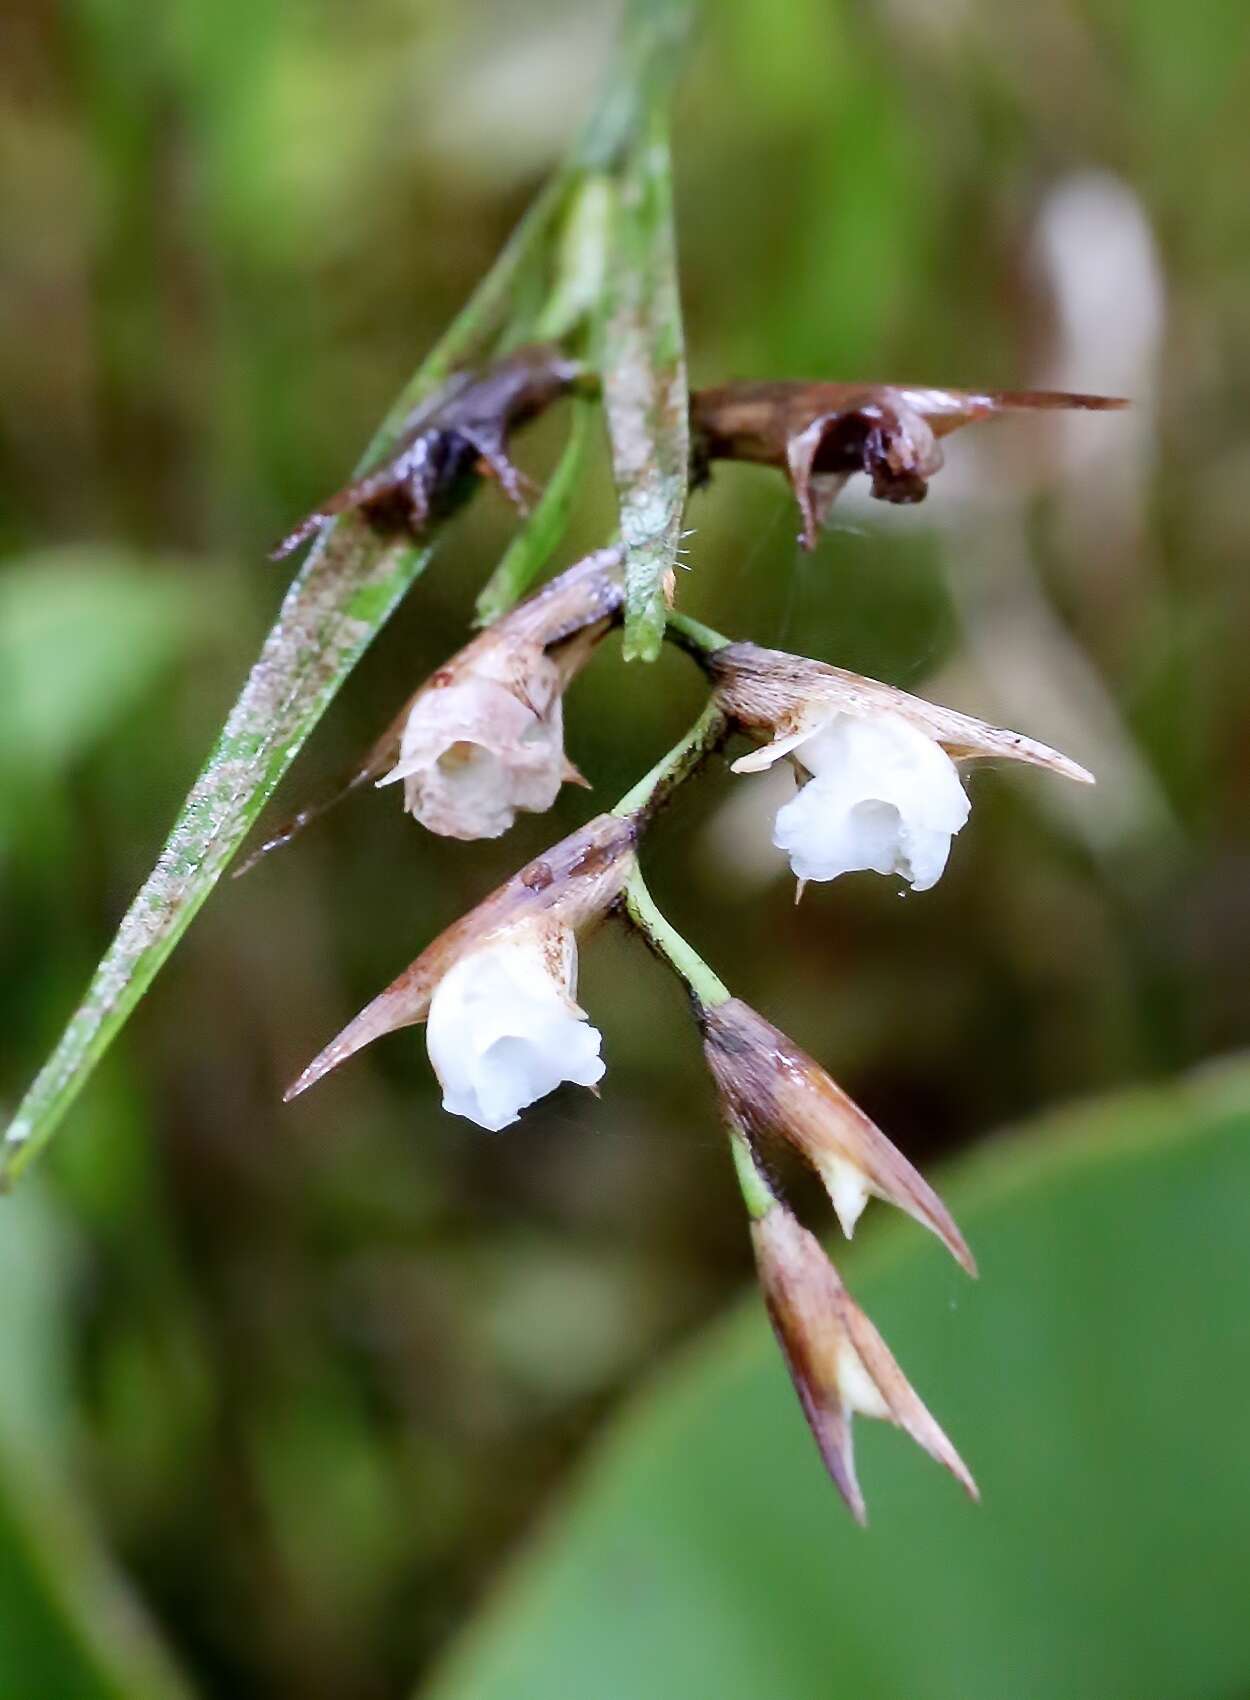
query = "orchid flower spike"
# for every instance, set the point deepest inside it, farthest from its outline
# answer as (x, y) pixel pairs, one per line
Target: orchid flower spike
(497, 989)
(820, 434)
(840, 1365)
(772, 1089)
(879, 785)
(484, 737)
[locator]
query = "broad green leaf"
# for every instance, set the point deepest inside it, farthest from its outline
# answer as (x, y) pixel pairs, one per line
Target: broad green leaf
(644, 384)
(69, 1624)
(1096, 1379)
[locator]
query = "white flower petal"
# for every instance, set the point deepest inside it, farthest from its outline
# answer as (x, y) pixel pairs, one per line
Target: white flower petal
(848, 1190)
(503, 1030)
(883, 796)
(473, 753)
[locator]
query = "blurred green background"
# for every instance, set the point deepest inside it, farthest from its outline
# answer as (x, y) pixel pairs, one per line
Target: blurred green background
(301, 1380)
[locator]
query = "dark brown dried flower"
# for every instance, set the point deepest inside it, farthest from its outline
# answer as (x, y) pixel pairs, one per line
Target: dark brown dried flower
(840, 1365)
(570, 886)
(461, 429)
(772, 1089)
(820, 434)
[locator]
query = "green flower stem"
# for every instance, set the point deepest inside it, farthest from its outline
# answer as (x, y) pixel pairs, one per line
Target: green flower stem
(757, 1194)
(693, 636)
(669, 946)
(685, 758)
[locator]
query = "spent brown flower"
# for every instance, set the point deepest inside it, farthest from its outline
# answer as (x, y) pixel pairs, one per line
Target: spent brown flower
(820, 434)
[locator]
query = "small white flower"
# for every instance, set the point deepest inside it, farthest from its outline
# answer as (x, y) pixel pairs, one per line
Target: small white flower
(484, 737)
(477, 750)
(504, 1029)
(882, 795)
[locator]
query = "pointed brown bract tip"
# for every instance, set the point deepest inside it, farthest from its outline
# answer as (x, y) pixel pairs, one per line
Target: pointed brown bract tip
(788, 698)
(1011, 401)
(775, 1090)
(838, 1362)
(573, 884)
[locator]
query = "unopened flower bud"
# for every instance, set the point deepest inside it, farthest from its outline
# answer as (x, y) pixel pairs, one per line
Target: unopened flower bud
(774, 1090)
(497, 987)
(484, 737)
(881, 788)
(840, 1365)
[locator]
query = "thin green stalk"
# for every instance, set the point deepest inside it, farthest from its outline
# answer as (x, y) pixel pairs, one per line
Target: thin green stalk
(706, 736)
(668, 944)
(753, 1183)
(693, 636)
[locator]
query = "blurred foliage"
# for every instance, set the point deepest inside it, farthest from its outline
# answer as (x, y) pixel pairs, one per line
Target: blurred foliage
(68, 1625)
(325, 1364)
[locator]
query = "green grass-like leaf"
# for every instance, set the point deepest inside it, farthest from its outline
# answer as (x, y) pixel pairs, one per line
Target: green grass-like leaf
(644, 383)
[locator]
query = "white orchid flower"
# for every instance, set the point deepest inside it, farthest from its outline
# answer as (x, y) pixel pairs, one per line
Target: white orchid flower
(881, 788)
(483, 738)
(504, 1029)
(882, 796)
(486, 745)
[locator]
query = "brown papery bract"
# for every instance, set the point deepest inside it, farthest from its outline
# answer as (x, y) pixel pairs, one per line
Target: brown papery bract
(773, 1089)
(838, 1362)
(573, 885)
(786, 697)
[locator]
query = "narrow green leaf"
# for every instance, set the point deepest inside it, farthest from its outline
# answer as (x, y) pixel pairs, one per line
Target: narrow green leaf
(1096, 1379)
(644, 383)
(539, 538)
(338, 601)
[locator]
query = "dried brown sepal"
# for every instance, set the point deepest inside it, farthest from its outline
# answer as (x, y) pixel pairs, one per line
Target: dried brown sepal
(571, 885)
(786, 697)
(820, 434)
(531, 653)
(460, 430)
(774, 1090)
(840, 1365)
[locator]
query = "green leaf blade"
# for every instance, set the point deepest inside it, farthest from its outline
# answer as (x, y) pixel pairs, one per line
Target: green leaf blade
(316, 641)
(645, 386)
